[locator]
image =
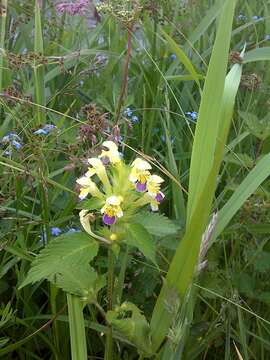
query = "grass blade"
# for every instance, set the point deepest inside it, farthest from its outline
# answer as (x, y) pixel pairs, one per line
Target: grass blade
(210, 110)
(249, 185)
(182, 57)
(210, 135)
(77, 329)
(2, 39)
(39, 68)
(260, 54)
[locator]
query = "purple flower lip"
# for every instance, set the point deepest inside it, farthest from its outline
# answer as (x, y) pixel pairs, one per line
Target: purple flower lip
(159, 197)
(105, 160)
(140, 187)
(109, 220)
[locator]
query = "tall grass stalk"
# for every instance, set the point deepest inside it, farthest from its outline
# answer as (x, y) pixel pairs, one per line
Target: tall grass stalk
(2, 40)
(39, 68)
(77, 328)
(203, 176)
(52, 289)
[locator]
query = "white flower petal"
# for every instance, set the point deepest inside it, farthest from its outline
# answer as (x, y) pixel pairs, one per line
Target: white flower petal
(111, 146)
(154, 206)
(84, 181)
(141, 164)
(155, 179)
(95, 163)
(83, 193)
(113, 200)
(119, 213)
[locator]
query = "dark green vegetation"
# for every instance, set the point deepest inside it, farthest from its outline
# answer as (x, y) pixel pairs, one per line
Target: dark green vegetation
(65, 87)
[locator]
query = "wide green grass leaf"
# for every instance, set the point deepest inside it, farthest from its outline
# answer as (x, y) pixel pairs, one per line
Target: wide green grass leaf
(206, 135)
(182, 57)
(259, 54)
(248, 186)
(211, 132)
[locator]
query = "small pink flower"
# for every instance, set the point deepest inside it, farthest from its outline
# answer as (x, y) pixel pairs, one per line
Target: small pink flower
(77, 7)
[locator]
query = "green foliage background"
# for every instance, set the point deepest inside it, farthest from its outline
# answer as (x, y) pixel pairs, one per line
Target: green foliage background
(228, 307)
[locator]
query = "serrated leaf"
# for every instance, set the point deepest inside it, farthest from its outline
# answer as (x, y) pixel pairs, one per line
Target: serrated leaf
(128, 320)
(240, 159)
(91, 204)
(140, 238)
(259, 128)
(77, 280)
(69, 251)
(156, 224)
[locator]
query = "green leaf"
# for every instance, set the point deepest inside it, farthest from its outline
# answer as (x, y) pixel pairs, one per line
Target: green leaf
(140, 238)
(65, 262)
(259, 54)
(259, 128)
(210, 111)
(156, 224)
(248, 186)
(258, 228)
(76, 328)
(128, 320)
(182, 57)
(245, 284)
(212, 13)
(39, 69)
(212, 128)
(183, 77)
(77, 280)
(91, 204)
(262, 262)
(240, 160)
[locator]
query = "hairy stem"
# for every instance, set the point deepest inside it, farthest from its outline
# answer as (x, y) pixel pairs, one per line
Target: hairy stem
(121, 278)
(109, 339)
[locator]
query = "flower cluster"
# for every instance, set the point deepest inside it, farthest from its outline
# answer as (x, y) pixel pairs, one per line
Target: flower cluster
(129, 113)
(120, 189)
(192, 114)
(45, 130)
(242, 17)
(125, 11)
(143, 180)
(72, 8)
(12, 139)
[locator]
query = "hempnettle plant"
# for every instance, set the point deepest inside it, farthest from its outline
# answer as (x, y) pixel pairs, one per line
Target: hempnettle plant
(134, 179)
(120, 214)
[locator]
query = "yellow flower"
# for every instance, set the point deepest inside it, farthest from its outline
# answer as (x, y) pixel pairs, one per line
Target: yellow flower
(153, 185)
(99, 169)
(140, 173)
(112, 209)
(112, 154)
(88, 187)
